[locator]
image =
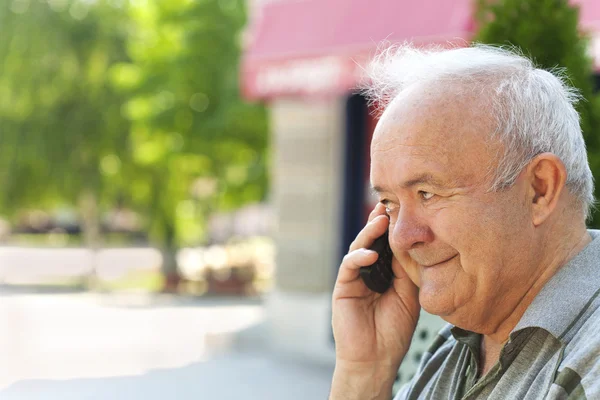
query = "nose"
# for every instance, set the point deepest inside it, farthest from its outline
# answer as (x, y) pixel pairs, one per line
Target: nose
(410, 231)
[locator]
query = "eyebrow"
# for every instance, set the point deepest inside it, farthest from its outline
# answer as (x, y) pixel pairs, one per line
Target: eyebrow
(425, 178)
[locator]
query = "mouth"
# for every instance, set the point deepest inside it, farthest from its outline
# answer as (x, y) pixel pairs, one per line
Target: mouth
(441, 262)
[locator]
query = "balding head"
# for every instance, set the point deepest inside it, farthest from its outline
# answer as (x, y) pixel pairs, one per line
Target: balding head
(532, 110)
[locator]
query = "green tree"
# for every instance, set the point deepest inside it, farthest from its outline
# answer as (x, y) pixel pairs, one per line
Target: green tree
(61, 124)
(137, 101)
(196, 146)
(547, 30)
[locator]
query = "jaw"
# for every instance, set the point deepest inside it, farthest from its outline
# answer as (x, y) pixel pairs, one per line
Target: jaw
(435, 301)
(444, 291)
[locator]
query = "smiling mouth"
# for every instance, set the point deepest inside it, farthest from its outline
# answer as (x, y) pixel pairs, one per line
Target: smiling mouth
(441, 262)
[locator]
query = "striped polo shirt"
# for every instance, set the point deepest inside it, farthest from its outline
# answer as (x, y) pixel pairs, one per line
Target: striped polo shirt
(552, 353)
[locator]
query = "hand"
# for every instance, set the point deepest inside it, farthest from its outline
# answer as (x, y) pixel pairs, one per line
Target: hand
(372, 331)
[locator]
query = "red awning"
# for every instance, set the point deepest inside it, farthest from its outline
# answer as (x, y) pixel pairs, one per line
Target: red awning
(316, 47)
(589, 15)
(313, 46)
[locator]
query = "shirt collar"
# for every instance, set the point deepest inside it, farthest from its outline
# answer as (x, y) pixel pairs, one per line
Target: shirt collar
(567, 295)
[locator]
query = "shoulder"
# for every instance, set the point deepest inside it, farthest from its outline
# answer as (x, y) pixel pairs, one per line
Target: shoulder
(579, 372)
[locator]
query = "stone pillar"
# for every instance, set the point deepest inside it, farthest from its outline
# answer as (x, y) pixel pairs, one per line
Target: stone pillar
(307, 196)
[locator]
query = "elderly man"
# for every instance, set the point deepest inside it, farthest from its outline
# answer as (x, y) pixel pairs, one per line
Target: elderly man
(484, 187)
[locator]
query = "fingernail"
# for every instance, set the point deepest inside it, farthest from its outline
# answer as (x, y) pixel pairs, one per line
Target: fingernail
(367, 251)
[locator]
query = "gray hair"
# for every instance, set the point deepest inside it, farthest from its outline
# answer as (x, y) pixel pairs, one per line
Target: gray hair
(534, 108)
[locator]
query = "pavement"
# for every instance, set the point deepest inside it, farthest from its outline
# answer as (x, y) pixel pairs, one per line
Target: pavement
(133, 346)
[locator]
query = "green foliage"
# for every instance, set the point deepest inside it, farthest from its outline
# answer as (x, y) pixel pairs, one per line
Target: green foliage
(59, 118)
(190, 129)
(547, 31)
(134, 101)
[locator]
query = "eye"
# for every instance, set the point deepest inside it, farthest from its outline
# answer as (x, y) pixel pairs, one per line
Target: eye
(426, 195)
(389, 206)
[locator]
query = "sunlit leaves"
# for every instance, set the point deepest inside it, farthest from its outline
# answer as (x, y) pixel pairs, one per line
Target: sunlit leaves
(20, 6)
(59, 116)
(58, 5)
(110, 164)
(138, 108)
(125, 76)
(199, 102)
(135, 100)
(191, 88)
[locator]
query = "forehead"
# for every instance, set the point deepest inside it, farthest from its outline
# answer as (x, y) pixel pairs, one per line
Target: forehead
(440, 133)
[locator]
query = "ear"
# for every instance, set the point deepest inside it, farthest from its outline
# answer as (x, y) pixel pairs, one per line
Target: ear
(547, 178)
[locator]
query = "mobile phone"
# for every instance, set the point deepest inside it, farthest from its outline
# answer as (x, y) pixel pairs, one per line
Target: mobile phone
(379, 276)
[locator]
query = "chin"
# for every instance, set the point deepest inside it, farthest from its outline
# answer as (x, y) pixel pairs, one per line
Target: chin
(436, 303)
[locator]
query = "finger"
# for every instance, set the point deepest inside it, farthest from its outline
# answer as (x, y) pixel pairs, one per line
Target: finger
(370, 232)
(378, 210)
(353, 261)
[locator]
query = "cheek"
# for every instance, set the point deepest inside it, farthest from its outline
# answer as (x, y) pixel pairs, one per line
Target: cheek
(469, 231)
(488, 240)
(411, 268)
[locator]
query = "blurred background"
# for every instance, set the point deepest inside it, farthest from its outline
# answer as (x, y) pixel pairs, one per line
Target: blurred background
(179, 180)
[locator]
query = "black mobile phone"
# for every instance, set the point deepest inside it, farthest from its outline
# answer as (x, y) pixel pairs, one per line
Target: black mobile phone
(379, 276)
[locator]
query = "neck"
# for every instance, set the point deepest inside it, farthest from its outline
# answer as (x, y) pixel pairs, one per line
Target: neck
(569, 247)
(492, 344)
